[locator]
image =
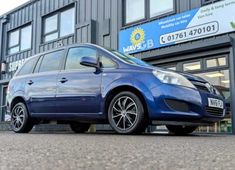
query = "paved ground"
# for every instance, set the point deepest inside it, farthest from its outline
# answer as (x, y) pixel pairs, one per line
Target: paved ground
(110, 151)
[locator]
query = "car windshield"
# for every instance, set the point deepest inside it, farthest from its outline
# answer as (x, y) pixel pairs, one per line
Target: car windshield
(129, 59)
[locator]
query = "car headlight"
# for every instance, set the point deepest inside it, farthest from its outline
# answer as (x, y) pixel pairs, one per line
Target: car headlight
(172, 78)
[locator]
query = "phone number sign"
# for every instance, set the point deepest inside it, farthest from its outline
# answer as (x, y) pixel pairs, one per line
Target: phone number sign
(210, 20)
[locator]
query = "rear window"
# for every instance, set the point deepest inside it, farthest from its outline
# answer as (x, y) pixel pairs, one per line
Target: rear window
(28, 67)
(51, 61)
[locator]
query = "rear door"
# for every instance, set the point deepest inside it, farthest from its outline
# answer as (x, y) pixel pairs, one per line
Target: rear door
(79, 87)
(41, 87)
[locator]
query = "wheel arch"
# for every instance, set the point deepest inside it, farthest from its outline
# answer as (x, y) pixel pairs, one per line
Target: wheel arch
(122, 88)
(16, 100)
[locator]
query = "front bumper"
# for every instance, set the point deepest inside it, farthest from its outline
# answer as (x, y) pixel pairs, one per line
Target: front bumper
(182, 104)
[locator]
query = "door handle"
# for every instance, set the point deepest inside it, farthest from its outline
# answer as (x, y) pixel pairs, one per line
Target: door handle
(63, 80)
(30, 82)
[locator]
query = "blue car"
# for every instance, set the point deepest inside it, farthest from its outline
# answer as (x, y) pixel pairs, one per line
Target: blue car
(85, 84)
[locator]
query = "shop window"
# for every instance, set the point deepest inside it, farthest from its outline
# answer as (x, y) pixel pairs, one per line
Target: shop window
(209, 1)
(160, 7)
(171, 68)
(59, 25)
(135, 10)
(192, 66)
(145, 9)
(76, 54)
(20, 39)
(51, 61)
(216, 62)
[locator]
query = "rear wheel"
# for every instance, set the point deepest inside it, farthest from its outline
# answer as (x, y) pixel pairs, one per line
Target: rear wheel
(181, 130)
(126, 113)
(20, 119)
(79, 127)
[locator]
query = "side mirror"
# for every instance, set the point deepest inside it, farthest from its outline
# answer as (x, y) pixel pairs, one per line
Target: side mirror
(89, 62)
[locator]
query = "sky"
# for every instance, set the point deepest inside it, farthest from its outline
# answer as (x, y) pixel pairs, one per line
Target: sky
(7, 5)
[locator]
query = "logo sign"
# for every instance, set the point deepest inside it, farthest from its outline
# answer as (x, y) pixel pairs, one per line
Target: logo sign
(210, 20)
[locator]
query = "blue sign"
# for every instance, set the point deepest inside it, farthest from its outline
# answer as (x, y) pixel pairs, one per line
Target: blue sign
(199, 23)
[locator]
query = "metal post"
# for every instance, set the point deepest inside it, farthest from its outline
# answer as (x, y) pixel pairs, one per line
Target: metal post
(1, 40)
(232, 81)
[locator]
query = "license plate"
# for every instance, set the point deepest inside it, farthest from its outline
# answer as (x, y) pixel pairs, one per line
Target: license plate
(215, 103)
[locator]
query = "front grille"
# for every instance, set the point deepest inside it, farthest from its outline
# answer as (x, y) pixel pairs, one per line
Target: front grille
(215, 111)
(202, 88)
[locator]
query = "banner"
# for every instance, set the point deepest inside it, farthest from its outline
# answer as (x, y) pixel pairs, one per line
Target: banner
(210, 20)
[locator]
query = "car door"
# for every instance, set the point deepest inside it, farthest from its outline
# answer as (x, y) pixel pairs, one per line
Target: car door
(41, 87)
(79, 86)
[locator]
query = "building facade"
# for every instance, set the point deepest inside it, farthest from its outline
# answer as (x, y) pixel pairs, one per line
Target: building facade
(195, 36)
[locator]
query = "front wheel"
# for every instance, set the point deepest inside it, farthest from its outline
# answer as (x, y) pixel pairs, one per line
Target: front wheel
(181, 130)
(20, 119)
(126, 113)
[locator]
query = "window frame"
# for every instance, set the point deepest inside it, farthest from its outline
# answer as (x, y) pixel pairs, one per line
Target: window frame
(51, 32)
(161, 15)
(193, 61)
(179, 65)
(19, 39)
(124, 12)
(58, 30)
(205, 2)
(147, 17)
(216, 67)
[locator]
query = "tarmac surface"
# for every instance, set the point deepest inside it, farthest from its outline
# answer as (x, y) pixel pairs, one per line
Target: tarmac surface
(65, 151)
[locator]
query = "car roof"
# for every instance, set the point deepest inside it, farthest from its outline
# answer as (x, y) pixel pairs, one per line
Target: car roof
(64, 47)
(57, 49)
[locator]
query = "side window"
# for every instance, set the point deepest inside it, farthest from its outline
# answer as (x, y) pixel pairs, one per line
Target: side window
(51, 61)
(28, 67)
(75, 55)
(107, 62)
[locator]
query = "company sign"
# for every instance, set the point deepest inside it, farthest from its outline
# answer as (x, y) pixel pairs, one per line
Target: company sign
(199, 23)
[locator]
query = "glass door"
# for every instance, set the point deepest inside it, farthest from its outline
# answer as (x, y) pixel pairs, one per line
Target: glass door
(215, 70)
(4, 117)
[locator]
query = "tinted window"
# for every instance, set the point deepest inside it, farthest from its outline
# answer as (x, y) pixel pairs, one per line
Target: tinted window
(67, 25)
(135, 10)
(60, 24)
(20, 39)
(25, 41)
(51, 61)
(160, 7)
(51, 24)
(107, 62)
(75, 55)
(28, 67)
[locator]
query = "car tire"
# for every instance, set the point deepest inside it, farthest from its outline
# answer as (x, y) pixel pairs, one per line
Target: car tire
(181, 130)
(20, 119)
(126, 113)
(79, 127)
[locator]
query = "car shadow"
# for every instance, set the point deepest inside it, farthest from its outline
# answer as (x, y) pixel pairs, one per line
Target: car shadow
(152, 134)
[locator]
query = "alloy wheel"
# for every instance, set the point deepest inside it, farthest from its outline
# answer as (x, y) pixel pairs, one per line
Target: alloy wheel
(124, 113)
(18, 117)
